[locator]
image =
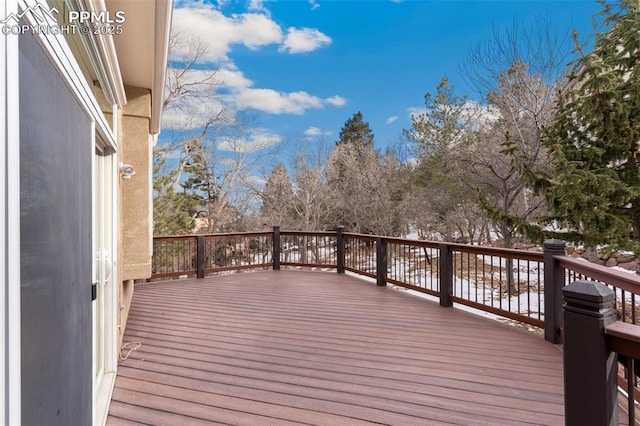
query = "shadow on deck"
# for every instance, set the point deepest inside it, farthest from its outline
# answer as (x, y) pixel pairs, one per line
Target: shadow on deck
(291, 347)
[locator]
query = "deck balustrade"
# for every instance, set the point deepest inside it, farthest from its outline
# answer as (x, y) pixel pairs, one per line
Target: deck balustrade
(521, 285)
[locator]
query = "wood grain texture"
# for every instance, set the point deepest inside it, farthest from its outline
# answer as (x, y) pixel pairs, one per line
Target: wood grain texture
(293, 347)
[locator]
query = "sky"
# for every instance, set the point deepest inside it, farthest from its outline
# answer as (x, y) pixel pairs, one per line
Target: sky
(301, 68)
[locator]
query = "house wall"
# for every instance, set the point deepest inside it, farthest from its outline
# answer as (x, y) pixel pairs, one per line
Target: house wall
(135, 205)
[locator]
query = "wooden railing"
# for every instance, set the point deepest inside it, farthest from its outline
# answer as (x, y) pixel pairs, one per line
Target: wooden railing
(525, 286)
(601, 342)
(505, 282)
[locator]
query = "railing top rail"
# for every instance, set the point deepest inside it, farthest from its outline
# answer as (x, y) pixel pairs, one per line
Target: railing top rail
(412, 242)
(239, 234)
(361, 236)
(536, 256)
(214, 235)
(175, 237)
(496, 251)
(309, 233)
(620, 279)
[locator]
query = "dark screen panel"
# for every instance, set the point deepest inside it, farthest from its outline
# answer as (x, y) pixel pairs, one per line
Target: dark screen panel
(56, 252)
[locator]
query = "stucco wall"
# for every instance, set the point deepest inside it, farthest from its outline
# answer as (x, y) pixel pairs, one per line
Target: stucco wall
(135, 199)
(136, 192)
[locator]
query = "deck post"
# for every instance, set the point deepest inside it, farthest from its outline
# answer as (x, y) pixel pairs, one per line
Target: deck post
(276, 248)
(340, 249)
(553, 283)
(200, 256)
(445, 261)
(381, 262)
(590, 367)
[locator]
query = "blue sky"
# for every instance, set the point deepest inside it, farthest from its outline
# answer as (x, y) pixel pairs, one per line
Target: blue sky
(302, 68)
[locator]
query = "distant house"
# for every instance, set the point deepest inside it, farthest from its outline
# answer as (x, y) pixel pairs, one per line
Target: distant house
(81, 83)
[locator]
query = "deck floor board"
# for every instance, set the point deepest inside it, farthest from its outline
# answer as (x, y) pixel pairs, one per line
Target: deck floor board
(294, 347)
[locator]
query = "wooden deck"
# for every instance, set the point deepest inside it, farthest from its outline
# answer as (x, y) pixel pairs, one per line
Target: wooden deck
(290, 347)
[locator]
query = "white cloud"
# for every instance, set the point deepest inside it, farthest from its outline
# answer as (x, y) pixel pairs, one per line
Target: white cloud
(202, 103)
(301, 40)
(416, 111)
(480, 116)
(274, 102)
(391, 119)
(314, 4)
(312, 132)
(257, 6)
(255, 181)
(207, 24)
(336, 101)
(217, 32)
(474, 114)
(229, 91)
(232, 78)
(193, 114)
(203, 25)
(255, 140)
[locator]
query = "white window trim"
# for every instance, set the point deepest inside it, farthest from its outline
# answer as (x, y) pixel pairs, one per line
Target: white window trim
(103, 57)
(10, 407)
(61, 56)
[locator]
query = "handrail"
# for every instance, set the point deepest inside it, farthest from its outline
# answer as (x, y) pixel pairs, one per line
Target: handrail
(624, 338)
(309, 233)
(525, 286)
(212, 234)
(414, 264)
(501, 281)
(614, 277)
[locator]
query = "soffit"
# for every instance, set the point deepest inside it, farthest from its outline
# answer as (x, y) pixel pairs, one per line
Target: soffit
(136, 45)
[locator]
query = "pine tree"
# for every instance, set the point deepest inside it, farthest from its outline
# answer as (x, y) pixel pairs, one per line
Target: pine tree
(356, 133)
(438, 134)
(173, 211)
(354, 177)
(593, 187)
(356, 138)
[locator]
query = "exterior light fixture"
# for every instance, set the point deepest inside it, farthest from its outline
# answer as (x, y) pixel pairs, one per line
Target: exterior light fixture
(126, 171)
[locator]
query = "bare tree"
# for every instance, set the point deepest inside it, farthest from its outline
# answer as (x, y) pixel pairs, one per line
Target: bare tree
(512, 142)
(518, 72)
(278, 199)
(543, 47)
(185, 80)
(213, 153)
(312, 202)
(365, 190)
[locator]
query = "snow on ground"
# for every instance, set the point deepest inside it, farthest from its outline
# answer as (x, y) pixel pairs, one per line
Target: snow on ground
(481, 280)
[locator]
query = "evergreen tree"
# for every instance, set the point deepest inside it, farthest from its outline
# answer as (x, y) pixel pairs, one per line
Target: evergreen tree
(593, 187)
(358, 180)
(356, 133)
(438, 134)
(200, 181)
(173, 211)
(356, 137)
